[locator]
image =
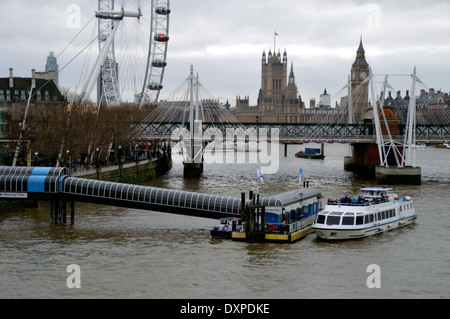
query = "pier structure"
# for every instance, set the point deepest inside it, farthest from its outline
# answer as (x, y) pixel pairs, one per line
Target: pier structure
(38, 183)
(283, 217)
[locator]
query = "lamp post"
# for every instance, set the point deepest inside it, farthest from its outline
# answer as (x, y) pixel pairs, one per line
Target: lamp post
(97, 162)
(36, 156)
(68, 160)
(97, 158)
(136, 153)
(119, 158)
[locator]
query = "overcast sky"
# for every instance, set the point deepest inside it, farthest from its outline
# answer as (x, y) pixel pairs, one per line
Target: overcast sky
(224, 40)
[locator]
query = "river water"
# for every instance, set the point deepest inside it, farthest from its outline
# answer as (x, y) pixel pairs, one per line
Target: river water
(127, 253)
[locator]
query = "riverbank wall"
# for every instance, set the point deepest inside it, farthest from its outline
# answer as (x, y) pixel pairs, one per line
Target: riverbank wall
(131, 173)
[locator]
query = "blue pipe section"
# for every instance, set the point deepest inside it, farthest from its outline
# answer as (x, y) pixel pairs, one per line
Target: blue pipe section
(31, 179)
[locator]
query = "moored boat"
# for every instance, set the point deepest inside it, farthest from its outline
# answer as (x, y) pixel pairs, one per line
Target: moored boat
(374, 213)
(312, 153)
(228, 225)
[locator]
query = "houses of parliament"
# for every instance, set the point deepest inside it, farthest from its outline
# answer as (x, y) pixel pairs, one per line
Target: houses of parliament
(279, 100)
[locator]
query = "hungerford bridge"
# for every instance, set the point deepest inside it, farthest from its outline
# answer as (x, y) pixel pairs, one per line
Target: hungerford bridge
(380, 143)
(167, 126)
(293, 133)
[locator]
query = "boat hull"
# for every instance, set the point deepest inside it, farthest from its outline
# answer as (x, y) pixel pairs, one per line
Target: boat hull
(277, 238)
(334, 234)
(310, 156)
(220, 234)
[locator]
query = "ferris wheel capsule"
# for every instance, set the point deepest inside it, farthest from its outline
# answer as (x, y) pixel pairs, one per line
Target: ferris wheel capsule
(162, 10)
(159, 63)
(161, 37)
(155, 86)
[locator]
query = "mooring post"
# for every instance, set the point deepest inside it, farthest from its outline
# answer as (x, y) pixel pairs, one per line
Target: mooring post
(263, 220)
(51, 212)
(56, 212)
(243, 206)
(251, 226)
(64, 211)
(285, 149)
(61, 212)
(72, 212)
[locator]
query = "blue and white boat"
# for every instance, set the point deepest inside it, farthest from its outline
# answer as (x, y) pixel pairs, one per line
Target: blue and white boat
(374, 213)
(228, 225)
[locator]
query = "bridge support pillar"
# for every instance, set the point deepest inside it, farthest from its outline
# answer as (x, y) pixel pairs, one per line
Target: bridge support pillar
(398, 175)
(193, 170)
(365, 162)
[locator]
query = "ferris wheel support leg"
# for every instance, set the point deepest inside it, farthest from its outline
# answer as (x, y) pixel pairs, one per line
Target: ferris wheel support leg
(95, 72)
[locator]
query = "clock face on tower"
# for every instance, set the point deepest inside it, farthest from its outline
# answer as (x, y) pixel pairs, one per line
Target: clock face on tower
(363, 75)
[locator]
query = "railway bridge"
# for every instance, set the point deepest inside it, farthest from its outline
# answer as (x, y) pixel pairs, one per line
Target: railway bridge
(291, 133)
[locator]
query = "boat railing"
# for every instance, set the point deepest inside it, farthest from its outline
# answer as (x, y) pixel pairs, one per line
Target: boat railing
(356, 203)
(290, 228)
(301, 224)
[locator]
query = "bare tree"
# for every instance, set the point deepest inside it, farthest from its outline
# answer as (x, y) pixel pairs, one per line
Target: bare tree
(74, 130)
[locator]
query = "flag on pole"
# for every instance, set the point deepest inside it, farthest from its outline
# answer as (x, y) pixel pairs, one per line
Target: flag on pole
(276, 33)
(300, 176)
(259, 175)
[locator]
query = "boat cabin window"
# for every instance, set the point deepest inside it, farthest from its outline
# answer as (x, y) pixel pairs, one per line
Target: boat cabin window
(368, 219)
(348, 219)
(321, 219)
(359, 219)
(334, 218)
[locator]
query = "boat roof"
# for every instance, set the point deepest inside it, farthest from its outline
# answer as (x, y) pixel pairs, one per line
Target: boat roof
(375, 189)
(289, 197)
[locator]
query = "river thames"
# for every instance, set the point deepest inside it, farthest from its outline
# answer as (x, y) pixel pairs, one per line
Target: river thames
(127, 253)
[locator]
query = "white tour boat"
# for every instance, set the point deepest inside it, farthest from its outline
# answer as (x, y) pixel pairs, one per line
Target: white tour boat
(376, 212)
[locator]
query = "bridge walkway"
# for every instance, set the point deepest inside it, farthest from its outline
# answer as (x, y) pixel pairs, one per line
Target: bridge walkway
(57, 186)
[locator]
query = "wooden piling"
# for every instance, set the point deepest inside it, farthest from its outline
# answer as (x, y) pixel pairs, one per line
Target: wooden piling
(58, 211)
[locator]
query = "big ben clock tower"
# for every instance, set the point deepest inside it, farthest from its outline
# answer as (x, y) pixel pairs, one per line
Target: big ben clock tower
(359, 73)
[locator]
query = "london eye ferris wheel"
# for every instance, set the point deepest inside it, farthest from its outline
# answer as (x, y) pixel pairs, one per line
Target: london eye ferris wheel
(133, 38)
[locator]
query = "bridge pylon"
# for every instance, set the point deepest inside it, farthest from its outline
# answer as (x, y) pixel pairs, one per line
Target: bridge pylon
(387, 161)
(193, 162)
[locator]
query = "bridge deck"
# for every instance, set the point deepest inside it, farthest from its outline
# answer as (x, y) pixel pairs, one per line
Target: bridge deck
(331, 133)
